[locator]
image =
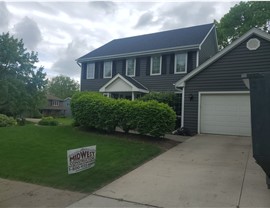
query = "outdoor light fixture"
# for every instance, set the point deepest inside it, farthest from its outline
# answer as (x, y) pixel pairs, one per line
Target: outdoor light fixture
(190, 97)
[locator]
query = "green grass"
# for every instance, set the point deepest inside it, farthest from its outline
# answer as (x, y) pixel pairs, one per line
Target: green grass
(38, 154)
(64, 121)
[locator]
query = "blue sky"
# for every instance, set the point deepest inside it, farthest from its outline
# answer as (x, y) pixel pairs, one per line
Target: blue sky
(63, 31)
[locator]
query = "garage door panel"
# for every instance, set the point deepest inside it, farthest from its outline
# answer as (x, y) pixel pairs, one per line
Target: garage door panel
(225, 114)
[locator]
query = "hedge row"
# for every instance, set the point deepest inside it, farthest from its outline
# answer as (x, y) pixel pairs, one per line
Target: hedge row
(7, 121)
(96, 111)
(48, 121)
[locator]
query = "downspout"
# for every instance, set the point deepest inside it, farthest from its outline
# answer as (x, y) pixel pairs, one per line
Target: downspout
(81, 74)
(182, 90)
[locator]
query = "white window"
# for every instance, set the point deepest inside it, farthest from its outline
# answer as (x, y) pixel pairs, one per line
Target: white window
(156, 65)
(180, 63)
(55, 103)
(90, 73)
(130, 67)
(107, 72)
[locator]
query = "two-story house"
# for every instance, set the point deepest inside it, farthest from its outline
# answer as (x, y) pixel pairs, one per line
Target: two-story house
(55, 106)
(130, 67)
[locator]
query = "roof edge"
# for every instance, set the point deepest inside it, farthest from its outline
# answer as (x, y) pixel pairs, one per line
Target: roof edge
(252, 31)
(163, 50)
(214, 26)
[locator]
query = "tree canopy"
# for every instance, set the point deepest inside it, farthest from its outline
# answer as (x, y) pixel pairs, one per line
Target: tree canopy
(21, 82)
(62, 86)
(241, 18)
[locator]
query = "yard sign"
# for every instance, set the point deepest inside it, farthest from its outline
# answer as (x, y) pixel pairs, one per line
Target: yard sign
(81, 159)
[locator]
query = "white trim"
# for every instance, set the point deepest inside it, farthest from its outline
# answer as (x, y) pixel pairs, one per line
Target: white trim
(104, 69)
(213, 93)
(200, 46)
(186, 58)
(149, 52)
(197, 58)
(134, 88)
(134, 69)
(255, 31)
(160, 65)
(87, 73)
(183, 107)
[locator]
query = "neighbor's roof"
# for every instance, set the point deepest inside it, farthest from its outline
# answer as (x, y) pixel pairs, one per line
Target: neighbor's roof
(184, 38)
(253, 31)
(52, 97)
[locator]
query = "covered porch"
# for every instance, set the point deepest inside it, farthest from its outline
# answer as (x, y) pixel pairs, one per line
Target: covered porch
(123, 87)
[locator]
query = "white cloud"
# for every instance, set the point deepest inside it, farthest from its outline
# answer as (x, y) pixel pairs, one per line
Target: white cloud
(4, 17)
(28, 30)
(63, 31)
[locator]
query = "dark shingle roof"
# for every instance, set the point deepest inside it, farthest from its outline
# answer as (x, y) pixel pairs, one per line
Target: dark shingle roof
(134, 82)
(184, 37)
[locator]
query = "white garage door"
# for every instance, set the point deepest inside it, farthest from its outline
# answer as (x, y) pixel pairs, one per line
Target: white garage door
(225, 114)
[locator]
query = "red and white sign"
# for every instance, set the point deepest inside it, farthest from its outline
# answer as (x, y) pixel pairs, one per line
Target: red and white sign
(81, 159)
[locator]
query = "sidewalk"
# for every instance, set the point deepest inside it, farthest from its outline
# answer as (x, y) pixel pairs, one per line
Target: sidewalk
(20, 194)
(204, 171)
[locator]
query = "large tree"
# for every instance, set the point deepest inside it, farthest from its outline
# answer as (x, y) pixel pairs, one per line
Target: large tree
(21, 82)
(62, 86)
(241, 18)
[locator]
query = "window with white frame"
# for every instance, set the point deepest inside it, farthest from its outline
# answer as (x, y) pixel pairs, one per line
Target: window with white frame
(55, 103)
(156, 65)
(130, 67)
(180, 63)
(90, 72)
(107, 71)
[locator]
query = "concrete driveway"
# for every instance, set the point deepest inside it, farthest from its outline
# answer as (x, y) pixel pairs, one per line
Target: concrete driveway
(204, 171)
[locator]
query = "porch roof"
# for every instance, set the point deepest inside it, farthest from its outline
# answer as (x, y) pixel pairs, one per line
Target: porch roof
(121, 83)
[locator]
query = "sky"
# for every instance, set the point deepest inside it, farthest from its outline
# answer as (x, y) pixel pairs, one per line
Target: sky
(63, 31)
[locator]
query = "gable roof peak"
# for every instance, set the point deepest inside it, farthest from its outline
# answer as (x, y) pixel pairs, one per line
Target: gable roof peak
(254, 31)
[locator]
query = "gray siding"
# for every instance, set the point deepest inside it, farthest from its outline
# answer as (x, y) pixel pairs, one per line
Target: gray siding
(158, 83)
(209, 47)
(224, 75)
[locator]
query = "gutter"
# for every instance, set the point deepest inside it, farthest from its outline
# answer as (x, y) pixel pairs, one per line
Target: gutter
(141, 53)
(79, 64)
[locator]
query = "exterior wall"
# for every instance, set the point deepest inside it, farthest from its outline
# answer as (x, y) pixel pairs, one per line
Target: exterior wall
(159, 83)
(209, 47)
(224, 75)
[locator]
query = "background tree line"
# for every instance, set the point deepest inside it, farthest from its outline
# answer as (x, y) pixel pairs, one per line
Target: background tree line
(23, 85)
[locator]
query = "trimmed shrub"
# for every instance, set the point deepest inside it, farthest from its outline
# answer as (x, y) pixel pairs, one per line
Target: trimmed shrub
(155, 118)
(96, 111)
(48, 121)
(6, 121)
(161, 97)
(127, 113)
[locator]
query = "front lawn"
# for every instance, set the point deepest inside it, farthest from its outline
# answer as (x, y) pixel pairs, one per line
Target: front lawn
(38, 154)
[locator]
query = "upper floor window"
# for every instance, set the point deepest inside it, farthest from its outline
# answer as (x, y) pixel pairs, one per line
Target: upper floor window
(107, 71)
(55, 102)
(180, 63)
(90, 73)
(130, 67)
(156, 65)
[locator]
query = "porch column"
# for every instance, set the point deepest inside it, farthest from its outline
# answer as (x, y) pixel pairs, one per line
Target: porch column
(132, 96)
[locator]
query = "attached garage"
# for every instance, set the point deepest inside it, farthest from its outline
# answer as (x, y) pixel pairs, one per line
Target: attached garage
(216, 100)
(224, 113)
